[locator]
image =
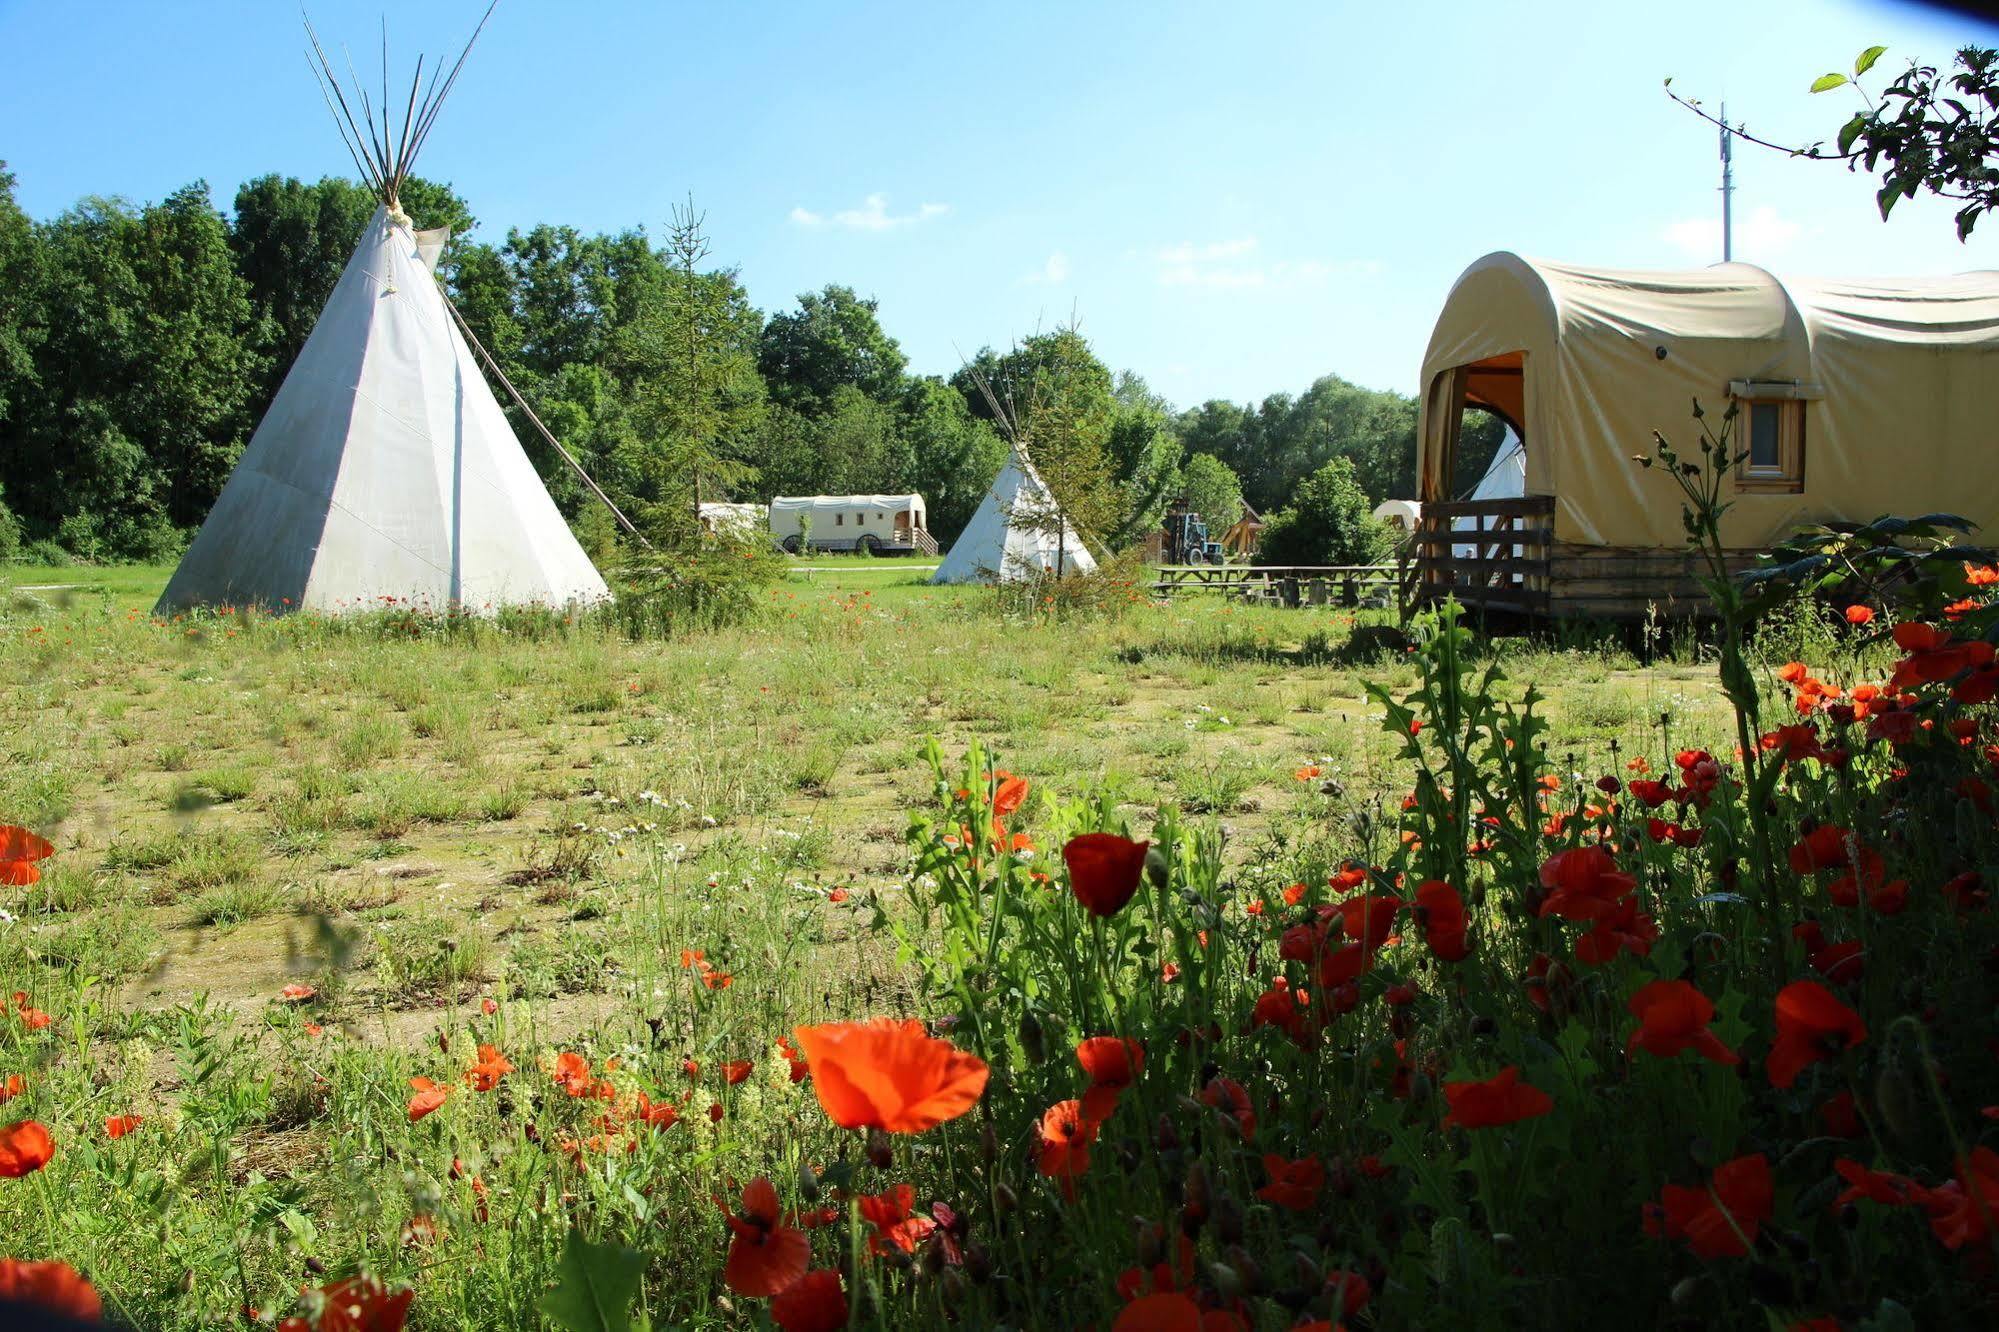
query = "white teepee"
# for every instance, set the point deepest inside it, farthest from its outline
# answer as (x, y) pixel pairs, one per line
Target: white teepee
(384, 471)
(1505, 478)
(1018, 532)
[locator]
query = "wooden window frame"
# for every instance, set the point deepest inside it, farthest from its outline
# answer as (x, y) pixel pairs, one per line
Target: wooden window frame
(1788, 477)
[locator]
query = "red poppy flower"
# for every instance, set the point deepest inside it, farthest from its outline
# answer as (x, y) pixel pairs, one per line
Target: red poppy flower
(11, 1087)
(1623, 929)
(572, 1074)
(1858, 615)
(358, 1304)
(19, 850)
(1499, 1100)
(896, 1227)
(1348, 877)
(1722, 1218)
(766, 1254)
(1653, 794)
(1812, 1024)
(1009, 795)
(1227, 1095)
(428, 1097)
(1294, 1185)
(1673, 1016)
(1440, 912)
(1284, 1008)
(297, 994)
(1961, 1210)
(1163, 1311)
(1369, 920)
(1583, 883)
(816, 1302)
(1111, 1065)
(1104, 870)
(1825, 847)
(662, 1114)
(1294, 894)
(485, 1074)
(836, 897)
(25, 1147)
(34, 1019)
(1880, 1186)
(1062, 1150)
(889, 1075)
(54, 1287)
(1840, 1116)
(736, 1071)
(117, 1126)
(800, 1070)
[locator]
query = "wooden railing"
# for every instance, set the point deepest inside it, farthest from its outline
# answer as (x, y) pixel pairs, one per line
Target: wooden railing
(1507, 544)
(1285, 585)
(924, 542)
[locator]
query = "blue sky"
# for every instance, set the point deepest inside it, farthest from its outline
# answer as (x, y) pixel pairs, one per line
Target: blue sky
(1230, 199)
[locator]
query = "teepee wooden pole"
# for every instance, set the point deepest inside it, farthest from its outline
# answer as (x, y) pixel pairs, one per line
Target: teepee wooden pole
(554, 443)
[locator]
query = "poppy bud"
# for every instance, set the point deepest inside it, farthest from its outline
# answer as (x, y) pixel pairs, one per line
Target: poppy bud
(881, 1149)
(1401, 1022)
(978, 1263)
(930, 1259)
(1004, 1199)
(314, 1266)
(1031, 1043)
(954, 1285)
(1199, 1192)
(1151, 1244)
(1687, 1288)
(1156, 867)
(1167, 1135)
(1228, 1219)
(808, 1184)
(1895, 1096)
(1246, 1268)
(1482, 1025)
(1227, 1283)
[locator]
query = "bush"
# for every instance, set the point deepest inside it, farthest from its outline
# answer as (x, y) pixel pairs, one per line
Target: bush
(1329, 522)
(714, 584)
(1117, 585)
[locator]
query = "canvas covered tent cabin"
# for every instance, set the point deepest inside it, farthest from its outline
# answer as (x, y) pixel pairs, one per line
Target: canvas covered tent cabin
(384, 471)
(877, 524)
(1017, 532)
(1856, 397)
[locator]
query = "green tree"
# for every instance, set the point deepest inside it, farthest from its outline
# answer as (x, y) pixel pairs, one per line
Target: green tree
(833, 340)
(146, 381)
(1329, 522)
(953, 455)
(1145, 454)
(860, 445)
(690, 354)
(1058, 398)
(1212, 491)
(20, 316)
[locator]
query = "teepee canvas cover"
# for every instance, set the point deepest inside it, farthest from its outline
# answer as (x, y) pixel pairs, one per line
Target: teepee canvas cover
(1014, 533)
(384, 471)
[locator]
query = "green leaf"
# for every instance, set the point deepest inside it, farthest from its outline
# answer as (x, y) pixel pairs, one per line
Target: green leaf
(1827, 82)
(1865, 61)
(594, 1287)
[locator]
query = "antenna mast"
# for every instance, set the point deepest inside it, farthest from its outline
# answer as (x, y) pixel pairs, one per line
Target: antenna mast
(1727, 190)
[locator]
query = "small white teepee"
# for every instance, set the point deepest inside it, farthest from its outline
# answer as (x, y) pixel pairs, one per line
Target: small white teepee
(1018, 532)
(1505, 478)
(384, 471)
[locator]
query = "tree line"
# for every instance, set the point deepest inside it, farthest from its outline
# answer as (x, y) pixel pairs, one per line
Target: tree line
(140, 344)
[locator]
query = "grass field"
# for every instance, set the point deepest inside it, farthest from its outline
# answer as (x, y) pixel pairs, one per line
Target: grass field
(468, 833)
(481, 809)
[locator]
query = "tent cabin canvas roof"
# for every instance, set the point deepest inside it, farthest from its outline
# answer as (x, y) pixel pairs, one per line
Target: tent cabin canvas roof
(1016, 533)
(1898, 377)
(384, 470)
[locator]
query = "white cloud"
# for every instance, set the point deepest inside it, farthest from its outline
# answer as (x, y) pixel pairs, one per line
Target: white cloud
(1764, 234)
(1233, 265)
(1052, 273)
(872, 215)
